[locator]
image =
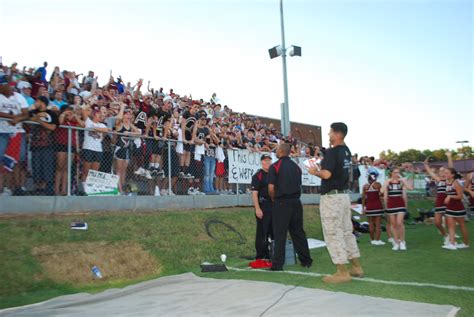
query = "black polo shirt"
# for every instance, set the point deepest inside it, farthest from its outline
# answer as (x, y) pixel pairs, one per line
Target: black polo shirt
(286, 176)
(337, 160)
(260, 184)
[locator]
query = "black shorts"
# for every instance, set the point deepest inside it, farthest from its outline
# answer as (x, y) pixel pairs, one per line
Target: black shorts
(122, 153)
(91, 156)
(188, 147)
(155, 146)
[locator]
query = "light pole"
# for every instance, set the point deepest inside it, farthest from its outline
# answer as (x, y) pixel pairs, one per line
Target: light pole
(462, 145)
(275, 52)
(463, 154)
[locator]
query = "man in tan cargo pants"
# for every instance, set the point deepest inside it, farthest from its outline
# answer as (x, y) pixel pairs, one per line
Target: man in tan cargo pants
(335, 206)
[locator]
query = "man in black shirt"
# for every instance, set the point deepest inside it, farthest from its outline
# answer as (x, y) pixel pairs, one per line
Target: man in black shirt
(335, 206)
(42, 144)
(187, 126)
(263, 208)
(284, 188)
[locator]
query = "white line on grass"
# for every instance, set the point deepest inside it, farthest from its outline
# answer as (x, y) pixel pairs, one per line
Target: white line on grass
(365, 279)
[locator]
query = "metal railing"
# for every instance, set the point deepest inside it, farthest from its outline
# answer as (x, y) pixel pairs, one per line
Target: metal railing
(48, 166)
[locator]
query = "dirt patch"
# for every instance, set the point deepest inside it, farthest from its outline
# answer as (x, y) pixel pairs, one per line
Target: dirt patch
(72, 262)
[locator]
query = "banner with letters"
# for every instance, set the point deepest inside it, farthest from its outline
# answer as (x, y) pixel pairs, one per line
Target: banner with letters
(243, 164)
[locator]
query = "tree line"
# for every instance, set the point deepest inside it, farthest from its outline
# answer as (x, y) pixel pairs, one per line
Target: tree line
(413, 155)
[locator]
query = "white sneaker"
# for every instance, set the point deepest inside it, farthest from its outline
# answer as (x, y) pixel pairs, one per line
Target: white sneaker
(446, 240)
(461, 246)
(141, 171)
(191, 191)
(456, 236)
(391, 240)
(157, 191)
(449, 246)
(403, 246)
(373, 242)
(163, 192)
(380, 242)
(395, 247)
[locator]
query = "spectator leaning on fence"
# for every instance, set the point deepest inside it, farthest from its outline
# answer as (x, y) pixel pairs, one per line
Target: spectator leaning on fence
(67, 118)
(200, 133)
(42, 144)
(122, 153)
(12, 137)
(92, 147)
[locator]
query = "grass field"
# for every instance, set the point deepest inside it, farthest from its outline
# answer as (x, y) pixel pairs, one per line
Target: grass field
(40, 257)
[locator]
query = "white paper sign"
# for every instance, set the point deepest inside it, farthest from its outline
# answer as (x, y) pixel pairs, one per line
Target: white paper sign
(100, 183)
(306, 178)
(242, 165)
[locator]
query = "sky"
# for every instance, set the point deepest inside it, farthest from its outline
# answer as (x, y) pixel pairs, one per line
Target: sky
(398, 73)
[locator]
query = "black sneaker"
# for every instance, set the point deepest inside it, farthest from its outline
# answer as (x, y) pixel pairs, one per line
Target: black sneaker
(19, 192)
(306, 264)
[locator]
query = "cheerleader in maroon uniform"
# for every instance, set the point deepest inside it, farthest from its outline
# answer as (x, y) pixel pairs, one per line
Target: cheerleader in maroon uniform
(469, 188)
(395, 198)
(440, 206)
(372, 205)
(455, 211)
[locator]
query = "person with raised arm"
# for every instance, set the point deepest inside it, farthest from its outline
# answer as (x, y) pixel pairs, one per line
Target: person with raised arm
(396, 202)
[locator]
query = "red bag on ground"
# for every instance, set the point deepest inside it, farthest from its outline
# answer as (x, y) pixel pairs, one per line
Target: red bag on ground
(260, 264)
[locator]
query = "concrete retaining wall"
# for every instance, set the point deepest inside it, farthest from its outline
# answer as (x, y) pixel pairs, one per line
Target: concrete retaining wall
(61, 204)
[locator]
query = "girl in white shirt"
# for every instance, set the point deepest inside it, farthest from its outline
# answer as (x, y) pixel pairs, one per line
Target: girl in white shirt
(92, 146)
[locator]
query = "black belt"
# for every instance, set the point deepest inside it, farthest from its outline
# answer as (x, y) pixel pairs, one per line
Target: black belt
(337, 191)
(287, 198)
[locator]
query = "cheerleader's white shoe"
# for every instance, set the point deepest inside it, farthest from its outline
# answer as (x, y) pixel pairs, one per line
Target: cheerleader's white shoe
(403, 246)
(396, 247)
(449, 246)
(461, 246)
(446, 240)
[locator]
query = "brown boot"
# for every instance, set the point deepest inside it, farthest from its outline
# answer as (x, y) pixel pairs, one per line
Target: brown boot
(341, 276)
(356, 269)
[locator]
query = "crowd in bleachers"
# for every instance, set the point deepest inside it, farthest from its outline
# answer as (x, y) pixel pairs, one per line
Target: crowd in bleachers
(126, 128)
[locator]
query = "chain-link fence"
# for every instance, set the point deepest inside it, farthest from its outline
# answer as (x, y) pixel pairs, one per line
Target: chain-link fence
(71, 160)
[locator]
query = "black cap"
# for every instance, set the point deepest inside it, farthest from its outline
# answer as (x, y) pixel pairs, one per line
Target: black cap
(265, 156)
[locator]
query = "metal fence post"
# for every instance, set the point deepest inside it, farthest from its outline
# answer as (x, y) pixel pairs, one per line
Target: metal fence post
(69, 160)
(169, 168)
